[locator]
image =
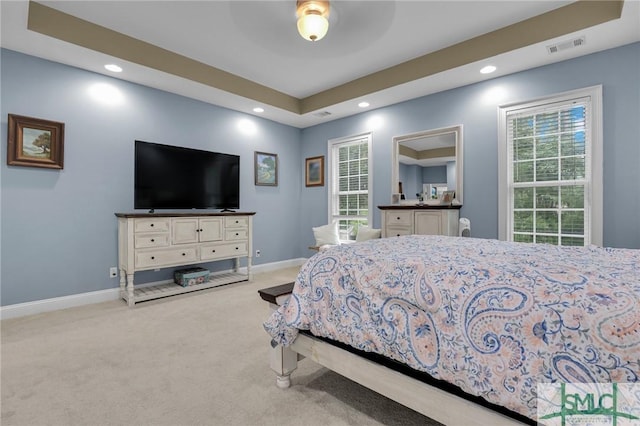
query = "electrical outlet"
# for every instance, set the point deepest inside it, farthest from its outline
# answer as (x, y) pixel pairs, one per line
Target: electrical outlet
(257, 253)
(113, 272)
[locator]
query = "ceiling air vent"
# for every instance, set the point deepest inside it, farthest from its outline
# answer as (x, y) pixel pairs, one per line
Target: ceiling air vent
(568, 44)
(322, 114)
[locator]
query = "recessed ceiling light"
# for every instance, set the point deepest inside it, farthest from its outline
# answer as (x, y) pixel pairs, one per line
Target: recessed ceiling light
(488, 69)
(258, 109)
(113, 68)
(363, 104)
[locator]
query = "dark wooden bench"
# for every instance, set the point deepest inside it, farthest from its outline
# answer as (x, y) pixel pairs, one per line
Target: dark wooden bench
(271, 294)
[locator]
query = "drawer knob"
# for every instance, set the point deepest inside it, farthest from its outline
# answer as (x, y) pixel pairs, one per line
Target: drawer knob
(152, 240)
(184, 254)
(237, 234)
(237, 248)
(213, 251)
(397, 235)
(151, 225)
(153, 257)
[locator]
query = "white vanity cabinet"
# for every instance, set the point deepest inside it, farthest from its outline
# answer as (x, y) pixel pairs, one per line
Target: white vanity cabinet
(400, 220)
(148, 241)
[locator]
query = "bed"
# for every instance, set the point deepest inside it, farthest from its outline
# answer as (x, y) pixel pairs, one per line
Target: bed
(491, 318)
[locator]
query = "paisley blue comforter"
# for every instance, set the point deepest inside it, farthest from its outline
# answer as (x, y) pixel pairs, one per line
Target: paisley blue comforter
(492, 317)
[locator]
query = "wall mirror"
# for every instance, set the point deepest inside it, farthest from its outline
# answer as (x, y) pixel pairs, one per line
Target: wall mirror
(428, 163)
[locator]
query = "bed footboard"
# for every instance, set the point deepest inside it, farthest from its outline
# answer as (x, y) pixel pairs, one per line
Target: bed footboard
(428, 400)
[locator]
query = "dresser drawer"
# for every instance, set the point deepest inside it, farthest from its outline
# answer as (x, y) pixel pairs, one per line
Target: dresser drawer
(399, 218)
(398, 231)
(236, 234)
(167, 257)
(151, 225)
(216, 251)
(151, 240)
(236, 222)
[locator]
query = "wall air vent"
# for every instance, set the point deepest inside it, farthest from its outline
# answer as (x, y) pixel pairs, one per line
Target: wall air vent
(321, 114)
(567, 44)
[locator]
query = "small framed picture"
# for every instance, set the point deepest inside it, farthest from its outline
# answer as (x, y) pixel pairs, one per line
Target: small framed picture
(447, 197)
(33, 142)
(266, 169)
(314, 171)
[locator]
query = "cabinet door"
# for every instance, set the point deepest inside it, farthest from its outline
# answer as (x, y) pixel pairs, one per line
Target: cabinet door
(211, 229)
(428, 223)
(450, 219)
(184, 230)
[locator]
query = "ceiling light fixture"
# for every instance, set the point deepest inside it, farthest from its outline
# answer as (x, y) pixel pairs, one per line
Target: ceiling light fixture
(258, 109)
(363, 104)
(488, 69)
(312, 18)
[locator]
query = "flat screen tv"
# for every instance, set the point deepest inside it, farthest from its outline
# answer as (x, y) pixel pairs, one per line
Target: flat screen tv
(172, 177)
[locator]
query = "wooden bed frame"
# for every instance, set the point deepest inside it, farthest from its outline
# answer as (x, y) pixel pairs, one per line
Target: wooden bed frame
(428, 400)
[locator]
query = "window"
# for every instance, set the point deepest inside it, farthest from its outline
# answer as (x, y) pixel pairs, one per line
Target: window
(349, 182)
(551, 170)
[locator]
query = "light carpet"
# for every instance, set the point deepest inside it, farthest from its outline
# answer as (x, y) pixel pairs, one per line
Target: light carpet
(195, 359)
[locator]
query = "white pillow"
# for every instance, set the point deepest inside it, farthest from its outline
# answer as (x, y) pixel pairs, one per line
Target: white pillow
(365, 233)
(327, 234)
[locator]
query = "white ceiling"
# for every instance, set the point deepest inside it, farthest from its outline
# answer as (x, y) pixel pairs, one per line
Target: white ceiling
(258, 41)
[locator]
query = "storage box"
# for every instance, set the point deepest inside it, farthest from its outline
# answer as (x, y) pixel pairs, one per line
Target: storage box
(191, 276)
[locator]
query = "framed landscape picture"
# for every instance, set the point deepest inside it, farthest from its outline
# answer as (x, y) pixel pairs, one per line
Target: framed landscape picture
(34, 142)
(266, 169)
(314, 171)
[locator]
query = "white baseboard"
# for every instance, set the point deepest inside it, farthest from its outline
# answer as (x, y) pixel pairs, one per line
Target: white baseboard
(56, 303)
(273, 266)
(64, 302)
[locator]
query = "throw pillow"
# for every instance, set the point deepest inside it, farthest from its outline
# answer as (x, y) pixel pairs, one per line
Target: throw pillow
(327, 234)
(365, 233)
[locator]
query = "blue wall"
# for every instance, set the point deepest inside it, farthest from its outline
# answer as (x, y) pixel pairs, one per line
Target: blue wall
(434, 174)
(411, 178)
(59, 232)
(475, 106)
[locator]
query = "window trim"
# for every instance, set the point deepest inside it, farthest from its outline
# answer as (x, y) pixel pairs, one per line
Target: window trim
(332, 172)
(595, 200)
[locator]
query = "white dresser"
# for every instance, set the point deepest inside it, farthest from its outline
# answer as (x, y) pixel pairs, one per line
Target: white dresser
(400, 220)
(148, 241)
